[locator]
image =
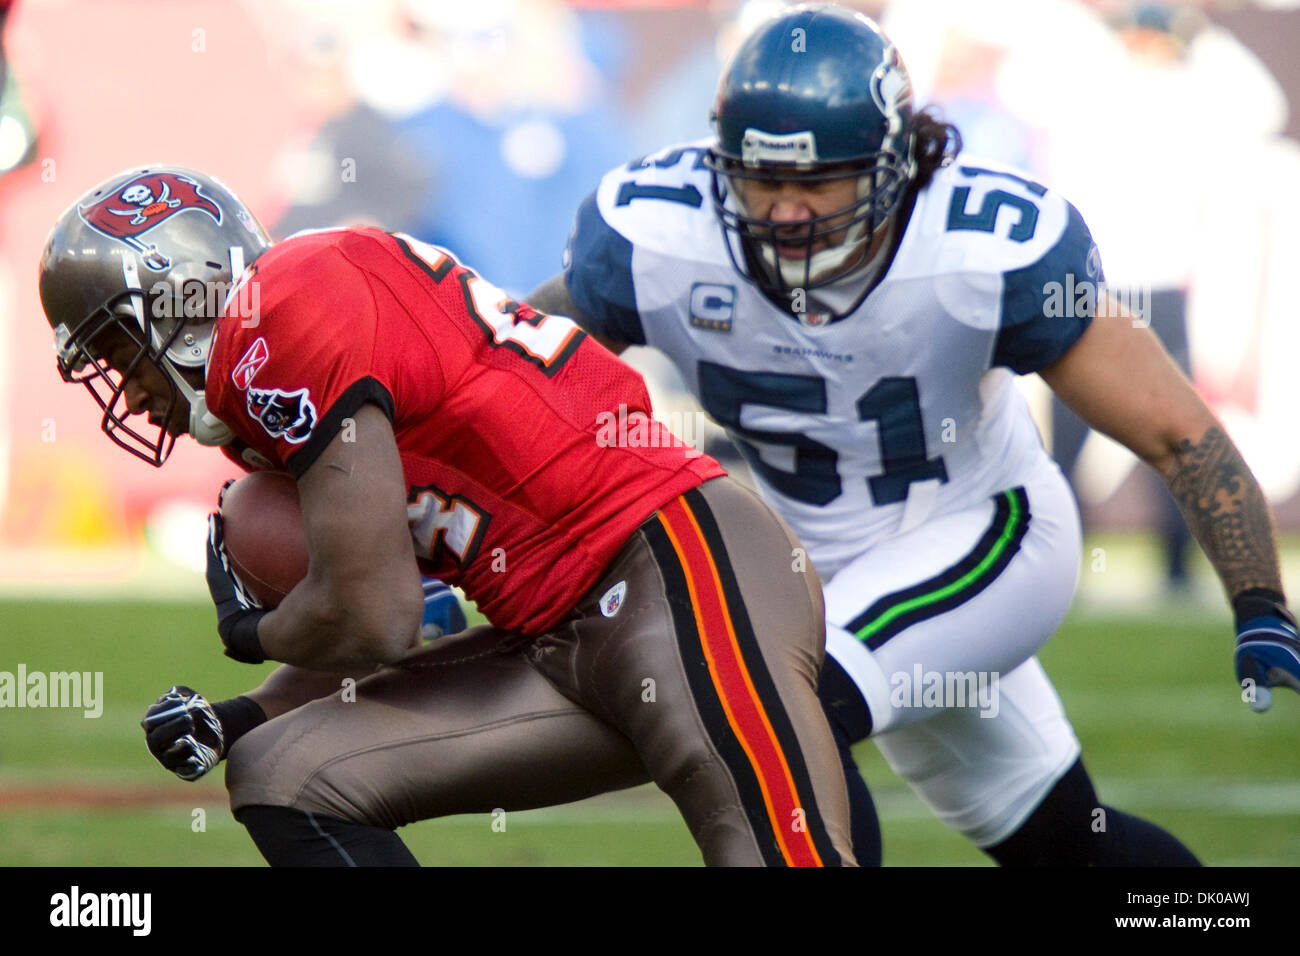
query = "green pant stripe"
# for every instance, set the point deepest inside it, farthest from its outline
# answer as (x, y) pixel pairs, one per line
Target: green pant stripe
(1009, 533)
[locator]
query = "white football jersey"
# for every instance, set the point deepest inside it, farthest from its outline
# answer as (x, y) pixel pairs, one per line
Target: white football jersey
(858, 428)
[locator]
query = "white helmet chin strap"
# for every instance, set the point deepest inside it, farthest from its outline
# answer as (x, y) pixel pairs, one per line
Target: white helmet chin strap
(822, 264)
(204, 427)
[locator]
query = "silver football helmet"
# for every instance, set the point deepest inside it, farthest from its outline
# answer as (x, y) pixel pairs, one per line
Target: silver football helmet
(138, 270)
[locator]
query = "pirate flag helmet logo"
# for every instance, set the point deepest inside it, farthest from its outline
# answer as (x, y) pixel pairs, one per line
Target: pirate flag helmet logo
(120, 271)
(143, 202)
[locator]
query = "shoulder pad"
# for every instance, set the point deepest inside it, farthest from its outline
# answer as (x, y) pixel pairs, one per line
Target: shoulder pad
(661, 203)
(980, 218)
(1004, 253)
(658, 205)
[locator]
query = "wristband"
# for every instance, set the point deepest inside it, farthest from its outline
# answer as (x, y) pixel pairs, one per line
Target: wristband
(238, 716)
(1260, 602)
(239, 634)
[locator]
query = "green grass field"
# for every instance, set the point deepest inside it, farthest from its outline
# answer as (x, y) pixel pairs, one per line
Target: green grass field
(1150, 694)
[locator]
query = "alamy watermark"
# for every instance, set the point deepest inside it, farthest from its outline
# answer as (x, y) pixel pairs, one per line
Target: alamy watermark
(82, 690)
(1086, 298)
(945, 689)
(197, 299)
(636, 429)
(80, 909)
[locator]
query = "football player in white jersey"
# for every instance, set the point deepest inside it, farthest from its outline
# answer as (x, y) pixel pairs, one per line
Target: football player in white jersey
(850, 299)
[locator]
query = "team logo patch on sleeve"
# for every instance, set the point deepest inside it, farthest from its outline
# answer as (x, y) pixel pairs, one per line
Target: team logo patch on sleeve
(287, 415)
(143, 202)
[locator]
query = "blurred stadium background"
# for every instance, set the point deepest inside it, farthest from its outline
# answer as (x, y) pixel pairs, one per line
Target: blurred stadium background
(1175, 128)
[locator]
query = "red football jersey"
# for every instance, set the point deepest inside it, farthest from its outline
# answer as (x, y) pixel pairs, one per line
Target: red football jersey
(527, 449)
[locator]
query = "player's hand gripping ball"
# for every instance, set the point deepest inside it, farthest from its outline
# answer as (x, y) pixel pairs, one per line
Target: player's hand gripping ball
(257, 553)
(262, 536)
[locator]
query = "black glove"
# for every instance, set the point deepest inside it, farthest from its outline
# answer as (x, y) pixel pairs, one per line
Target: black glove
(184, 733)
(189, 736)
(238, 612)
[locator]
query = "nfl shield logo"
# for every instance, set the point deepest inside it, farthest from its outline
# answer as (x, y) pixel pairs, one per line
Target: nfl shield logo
(612, 600)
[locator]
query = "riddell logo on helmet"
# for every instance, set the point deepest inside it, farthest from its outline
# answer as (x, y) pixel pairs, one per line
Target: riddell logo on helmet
(759, 147)
(140, 204)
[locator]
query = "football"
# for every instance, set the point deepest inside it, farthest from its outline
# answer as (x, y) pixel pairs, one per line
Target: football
(264, 535)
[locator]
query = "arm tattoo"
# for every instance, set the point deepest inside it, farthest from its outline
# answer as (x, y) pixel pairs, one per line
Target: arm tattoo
(1226, 510)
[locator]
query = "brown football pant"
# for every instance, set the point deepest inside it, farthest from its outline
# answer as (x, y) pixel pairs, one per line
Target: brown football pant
(702, 678)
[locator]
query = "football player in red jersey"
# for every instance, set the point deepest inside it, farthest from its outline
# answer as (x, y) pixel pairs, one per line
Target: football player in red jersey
(651, 619)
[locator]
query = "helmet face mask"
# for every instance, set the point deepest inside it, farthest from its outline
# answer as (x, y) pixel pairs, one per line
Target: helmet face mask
(133, 278)
(807, 253)
(829, 116)
(106, 352)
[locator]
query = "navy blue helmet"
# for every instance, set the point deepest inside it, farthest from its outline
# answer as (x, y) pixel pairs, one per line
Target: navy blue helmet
(816, 93)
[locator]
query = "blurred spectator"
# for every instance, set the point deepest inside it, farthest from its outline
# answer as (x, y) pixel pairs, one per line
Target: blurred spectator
(1144, 178)
(525, 130)
(359, 79)
(670, 74)
(1271, 31)
(965, 86)
(4, 15)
